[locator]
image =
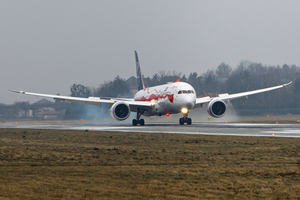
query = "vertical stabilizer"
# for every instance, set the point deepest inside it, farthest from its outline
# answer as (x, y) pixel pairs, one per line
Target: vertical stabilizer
(139, 75)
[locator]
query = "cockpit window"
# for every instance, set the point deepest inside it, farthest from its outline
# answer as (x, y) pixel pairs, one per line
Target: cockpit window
(180, 92)
(191, 92)
(184, 92)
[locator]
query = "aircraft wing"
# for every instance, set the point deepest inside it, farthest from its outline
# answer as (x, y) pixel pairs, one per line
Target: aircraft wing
(203, 100)
(97, 101)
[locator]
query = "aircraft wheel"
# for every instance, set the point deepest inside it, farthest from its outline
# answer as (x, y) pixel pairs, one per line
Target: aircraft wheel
(189, 121)
(142, 122)
(181, 121)
(134, 122)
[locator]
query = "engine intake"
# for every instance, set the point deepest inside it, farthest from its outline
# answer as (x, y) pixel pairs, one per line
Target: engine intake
(120, 110)
(216, 108)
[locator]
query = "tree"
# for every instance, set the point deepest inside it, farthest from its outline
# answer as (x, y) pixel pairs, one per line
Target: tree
(77, 111)
(196, 82)
(183, 78)
(210, 82)
(104, 90)
(223, 70)
(113, 88)
(154, 80)
(120, 87)
(78, 90)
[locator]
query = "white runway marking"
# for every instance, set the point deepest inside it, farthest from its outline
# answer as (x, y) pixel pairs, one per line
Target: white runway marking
(100, 128)
(286, 131)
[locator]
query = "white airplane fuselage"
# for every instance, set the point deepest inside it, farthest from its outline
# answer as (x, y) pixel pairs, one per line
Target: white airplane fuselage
(169, 98)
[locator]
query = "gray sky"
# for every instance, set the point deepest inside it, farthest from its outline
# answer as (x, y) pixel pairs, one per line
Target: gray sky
(46, 46)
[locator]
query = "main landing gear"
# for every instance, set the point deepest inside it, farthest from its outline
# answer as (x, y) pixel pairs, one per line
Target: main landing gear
(139, 121)
(186, 120)
(135, 122)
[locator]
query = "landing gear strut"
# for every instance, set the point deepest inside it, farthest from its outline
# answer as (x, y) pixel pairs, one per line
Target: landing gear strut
(139, 121)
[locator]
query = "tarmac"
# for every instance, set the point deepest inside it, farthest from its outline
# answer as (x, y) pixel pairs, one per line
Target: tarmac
(214, 128)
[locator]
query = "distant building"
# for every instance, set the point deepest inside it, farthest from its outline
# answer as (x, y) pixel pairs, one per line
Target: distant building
(132, 83)
(46, 113)
(45, 109)
(43, 102)
(42, 109)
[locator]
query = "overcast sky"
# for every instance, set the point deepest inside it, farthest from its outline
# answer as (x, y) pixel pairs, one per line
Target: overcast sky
(46, 46)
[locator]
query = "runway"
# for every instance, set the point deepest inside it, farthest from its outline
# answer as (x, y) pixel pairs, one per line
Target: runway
(224, 129)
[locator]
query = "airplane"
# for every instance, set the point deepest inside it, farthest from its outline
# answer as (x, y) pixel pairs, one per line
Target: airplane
(166, 99)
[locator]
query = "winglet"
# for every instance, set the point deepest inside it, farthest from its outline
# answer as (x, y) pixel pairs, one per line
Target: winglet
(139, 75)
(287, 84)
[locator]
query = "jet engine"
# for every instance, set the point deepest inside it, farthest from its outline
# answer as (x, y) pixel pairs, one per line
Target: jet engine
(120, 110)
(216, 108)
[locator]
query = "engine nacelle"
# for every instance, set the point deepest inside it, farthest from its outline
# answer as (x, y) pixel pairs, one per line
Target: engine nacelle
(216, 108)
(120, 110)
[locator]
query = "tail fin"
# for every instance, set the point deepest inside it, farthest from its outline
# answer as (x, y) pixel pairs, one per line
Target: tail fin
(139, 75)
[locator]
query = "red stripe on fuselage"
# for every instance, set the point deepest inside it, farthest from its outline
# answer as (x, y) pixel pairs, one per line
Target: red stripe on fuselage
(156, 97)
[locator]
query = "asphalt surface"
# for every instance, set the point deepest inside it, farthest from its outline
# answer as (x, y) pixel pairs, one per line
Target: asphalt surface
(225, 129)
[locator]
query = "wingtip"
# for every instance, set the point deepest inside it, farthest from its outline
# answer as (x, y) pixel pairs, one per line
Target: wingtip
(16, 91)
(288, 83)
(13, 91)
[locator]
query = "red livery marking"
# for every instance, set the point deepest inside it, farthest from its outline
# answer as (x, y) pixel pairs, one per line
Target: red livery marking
(147, 89)
(156, 97)
(155, 94)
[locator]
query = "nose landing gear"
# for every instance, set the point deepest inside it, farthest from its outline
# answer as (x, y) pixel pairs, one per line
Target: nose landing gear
(186, 120)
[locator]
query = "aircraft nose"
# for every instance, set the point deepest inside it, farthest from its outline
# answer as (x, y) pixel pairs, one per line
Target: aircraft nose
(189, 101)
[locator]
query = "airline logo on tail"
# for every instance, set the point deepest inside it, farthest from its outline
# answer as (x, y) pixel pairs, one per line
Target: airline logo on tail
(140, 80)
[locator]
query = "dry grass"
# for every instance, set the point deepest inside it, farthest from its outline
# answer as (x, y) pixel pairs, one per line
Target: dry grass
(56, 164)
